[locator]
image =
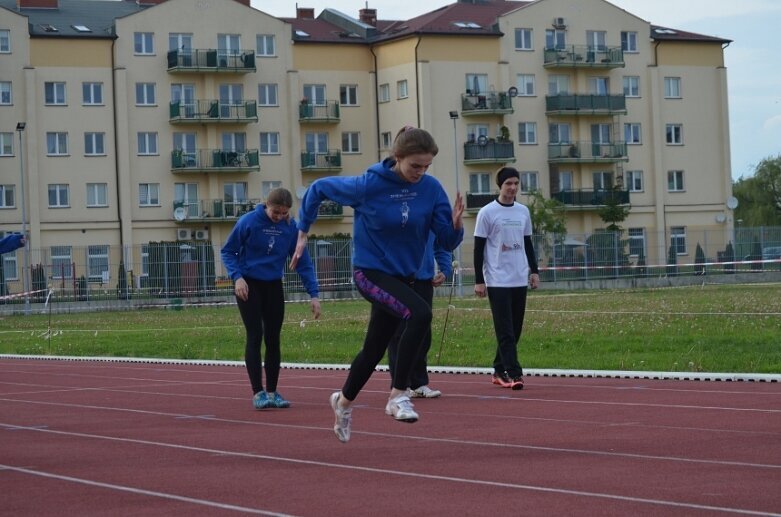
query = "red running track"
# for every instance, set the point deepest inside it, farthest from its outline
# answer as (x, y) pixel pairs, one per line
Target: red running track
(109, 438)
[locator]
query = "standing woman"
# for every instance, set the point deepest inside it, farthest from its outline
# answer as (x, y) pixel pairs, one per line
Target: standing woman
(397, 205)
(254, 256)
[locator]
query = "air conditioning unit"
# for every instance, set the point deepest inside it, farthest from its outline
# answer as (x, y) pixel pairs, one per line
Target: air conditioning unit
(201, 235)
(182, 234)
(560, 23)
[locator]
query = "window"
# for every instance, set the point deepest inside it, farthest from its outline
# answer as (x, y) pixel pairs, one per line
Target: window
(268, 186)
(92, 94)
(634, 180)
(228, 45)
(93, 144)
(180, 41)
(596, 40)
(266, 45)
(383, 95)
(678, 239)
(62, 263)
(5, 92)
(97, 262)
(674, 134)
(480, 183)
(143, 43)
(7, 196)
(56, 144)
(629, 41)
(527, 132)
(475, 131)
(234, 141)
(565, 181)
(401, 89)
(97, 194)
(6, 144)
(351, 142)
(54, 94)
(10, 266)
(184, 95)
(555, 38)
(636, 242)
(186, 195)
(559, 133)
(476, 84)
(231, 100)
(603, 180)
(145, 94)
(632, 133)
(528, 182)
(145, 260)
(269, 143)
(675, 181)
(58, 195)
(315, 93)
(599, 85)
(558, 85)
(387, 140)
(672, 87)
(348, 95)
(316, 143)
(525, 84)
(147, 143)
(632, 86)
(149, 194)
(185, 142)
(5, 41)
(523, 39)
(267, 95)
(600, 134)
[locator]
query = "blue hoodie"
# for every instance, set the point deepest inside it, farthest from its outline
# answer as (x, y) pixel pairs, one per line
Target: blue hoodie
(434, 252)
(258, 248)
(393, 218)
(11, 242)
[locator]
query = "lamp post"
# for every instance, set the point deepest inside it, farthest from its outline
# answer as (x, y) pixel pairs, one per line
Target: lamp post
(26, 271)
(454, 117)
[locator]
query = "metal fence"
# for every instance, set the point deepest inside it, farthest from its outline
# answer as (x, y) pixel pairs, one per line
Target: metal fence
(193, 270)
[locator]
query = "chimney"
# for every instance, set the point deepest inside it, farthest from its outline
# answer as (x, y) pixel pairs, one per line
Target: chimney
(305, 13)
(37, 4)
(368, 16)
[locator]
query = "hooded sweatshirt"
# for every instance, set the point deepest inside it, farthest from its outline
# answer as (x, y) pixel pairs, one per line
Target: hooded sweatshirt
(393, 218)
(11, 242)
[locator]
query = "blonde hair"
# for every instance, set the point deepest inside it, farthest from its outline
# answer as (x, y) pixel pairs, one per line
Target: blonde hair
(413, 140)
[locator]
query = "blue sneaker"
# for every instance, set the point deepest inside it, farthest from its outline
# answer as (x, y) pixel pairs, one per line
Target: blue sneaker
(278, 402)
(261, 400)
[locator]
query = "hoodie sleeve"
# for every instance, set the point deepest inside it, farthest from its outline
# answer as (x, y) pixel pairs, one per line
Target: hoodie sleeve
(11, 243)
(442, 222)
(232, 249)
(305, 270)
(444, 259)
(343, 190)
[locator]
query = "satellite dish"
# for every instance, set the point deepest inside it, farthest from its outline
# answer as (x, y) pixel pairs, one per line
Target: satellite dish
(732, 202)
(180, 214)
(300, 191)
(720, 218)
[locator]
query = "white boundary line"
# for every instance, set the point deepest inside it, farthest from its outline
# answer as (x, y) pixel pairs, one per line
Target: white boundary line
(530, 372)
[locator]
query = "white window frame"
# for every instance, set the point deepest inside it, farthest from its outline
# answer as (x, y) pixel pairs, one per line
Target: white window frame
(527, 133)
(560, 133)
(94, 144)
(558, 84)
(631, 86)
(56, 143)
(265, 45)
(148, 194)
(555, 39)
(386, 140)
(268, 94)
(146, 94)
(7, 196)
(676, 181)
(383, 93)
(6, 144)
(475, 131)
(10, 266)
(5, 41)
(351, 142)
(147, 143)
(672, 88)
(61, 256)
(480, 183)
(602, 180)
(54, 93)
(629, 42)
(315, 94)
(60, 193)
(634, 181)
(89, 92)
(98, 262)
(186, 193)
(599, 85)
(636, 236)
(476, 84)
(269, 142)
(144, 43)
(678, 239)
(348, 95)
(97, 195)
(673, 134)
(525, 85)
(566, 181)
(524, 38)
(6, 93)
(529, 182)
(633, 133)
(402, 90)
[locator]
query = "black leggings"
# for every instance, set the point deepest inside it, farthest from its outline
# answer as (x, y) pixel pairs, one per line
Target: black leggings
(262, 315)
(394, 303)
(418, 375)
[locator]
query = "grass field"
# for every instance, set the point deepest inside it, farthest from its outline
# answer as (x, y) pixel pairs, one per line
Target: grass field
(710, 328)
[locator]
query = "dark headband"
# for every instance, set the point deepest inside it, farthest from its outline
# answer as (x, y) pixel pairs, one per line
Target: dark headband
(505, 173)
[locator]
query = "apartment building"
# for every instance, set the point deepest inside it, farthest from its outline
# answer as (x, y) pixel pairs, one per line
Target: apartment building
(165, 120)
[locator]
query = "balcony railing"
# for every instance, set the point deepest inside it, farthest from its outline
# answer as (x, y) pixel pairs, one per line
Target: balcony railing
(591, 198)
(476, 201)
(489, 151)
(585, 104)
(329, 161)
(486, 104)
(584, 56)
(208, 110)
(212, 209)
(327, 112)
(206, 160)
(587, 152)
(210, 60)
(330, 209)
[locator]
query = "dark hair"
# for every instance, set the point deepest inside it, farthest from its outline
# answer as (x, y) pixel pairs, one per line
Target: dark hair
(412, 140)
(505, 173)
(280, 197)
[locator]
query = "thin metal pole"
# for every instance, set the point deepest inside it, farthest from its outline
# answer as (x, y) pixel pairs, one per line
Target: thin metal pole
(26, 271)
(458, 189)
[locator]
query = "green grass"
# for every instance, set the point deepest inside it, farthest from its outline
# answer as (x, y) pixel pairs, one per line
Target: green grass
(711, 328)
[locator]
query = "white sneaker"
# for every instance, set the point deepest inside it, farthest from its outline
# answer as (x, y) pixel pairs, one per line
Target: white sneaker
(343, 418)
(424, 392)
(400, 408)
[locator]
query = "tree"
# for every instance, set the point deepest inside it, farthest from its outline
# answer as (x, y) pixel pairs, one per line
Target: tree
(549, 218)
(613, 212)
(768, 174)
(672, 261)
(755, 204)
(699, 260)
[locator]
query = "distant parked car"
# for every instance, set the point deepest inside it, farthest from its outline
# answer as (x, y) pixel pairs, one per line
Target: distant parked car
(771, 253)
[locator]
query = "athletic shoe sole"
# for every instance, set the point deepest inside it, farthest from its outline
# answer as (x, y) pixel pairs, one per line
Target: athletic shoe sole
(501, 382)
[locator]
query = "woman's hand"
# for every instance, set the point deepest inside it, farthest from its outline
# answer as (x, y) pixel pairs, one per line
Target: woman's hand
(300, 248)
(315, 304)
(241, 289)
(458, 211)
(438, 279)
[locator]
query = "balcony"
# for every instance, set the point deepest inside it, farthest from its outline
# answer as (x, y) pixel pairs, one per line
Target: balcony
(589, 198)
(212, 210)
(477, 200)
(598, 105)
(330, 210)
(208, 111)
(486, 104)
(587, 152)
(327, 113)
(584, 56)
(330, 161)
(211, 61)
(214, 160)
(487, 150)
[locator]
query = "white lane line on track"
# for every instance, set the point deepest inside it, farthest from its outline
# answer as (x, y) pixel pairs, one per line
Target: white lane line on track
(418, 475)
(141, 491)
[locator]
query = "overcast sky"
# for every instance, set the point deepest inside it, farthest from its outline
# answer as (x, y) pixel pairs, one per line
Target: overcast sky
(753, 58)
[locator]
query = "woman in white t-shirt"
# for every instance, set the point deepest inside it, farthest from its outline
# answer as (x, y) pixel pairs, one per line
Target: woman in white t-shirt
(505, 267)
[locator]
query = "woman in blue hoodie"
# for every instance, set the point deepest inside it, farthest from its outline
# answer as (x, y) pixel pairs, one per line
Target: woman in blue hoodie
(255, 255)
(397, 205)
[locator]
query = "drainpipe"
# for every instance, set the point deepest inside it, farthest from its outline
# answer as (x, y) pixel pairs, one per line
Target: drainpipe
(376, 107)
(116, 149)
(417, 83)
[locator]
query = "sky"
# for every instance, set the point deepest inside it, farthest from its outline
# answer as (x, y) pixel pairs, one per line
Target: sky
(752, 59)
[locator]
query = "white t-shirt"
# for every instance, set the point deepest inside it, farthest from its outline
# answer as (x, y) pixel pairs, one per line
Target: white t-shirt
(504, 227)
